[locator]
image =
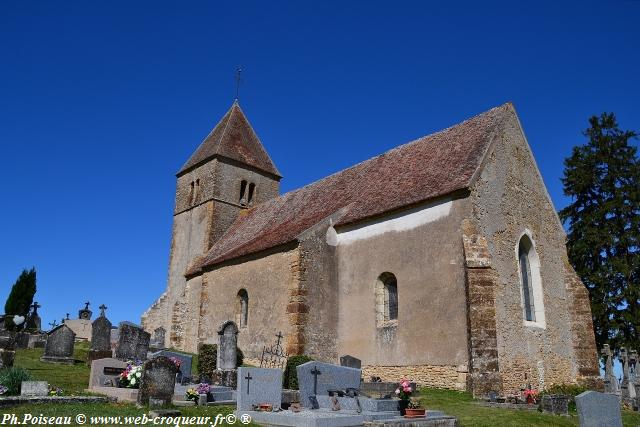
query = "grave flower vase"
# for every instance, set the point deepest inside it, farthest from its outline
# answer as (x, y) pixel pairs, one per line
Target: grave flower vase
(403, 404)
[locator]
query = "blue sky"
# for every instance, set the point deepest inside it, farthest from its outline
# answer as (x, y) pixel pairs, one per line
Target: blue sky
(102, 102)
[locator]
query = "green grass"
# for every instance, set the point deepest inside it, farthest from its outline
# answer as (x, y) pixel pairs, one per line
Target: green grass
(471, 414)
(73, 379)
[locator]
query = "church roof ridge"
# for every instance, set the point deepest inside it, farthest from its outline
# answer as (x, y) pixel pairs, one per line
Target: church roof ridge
(232, 137)
(419, 170)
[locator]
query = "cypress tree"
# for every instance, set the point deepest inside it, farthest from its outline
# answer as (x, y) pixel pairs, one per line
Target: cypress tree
(602, 178)
(21, 295)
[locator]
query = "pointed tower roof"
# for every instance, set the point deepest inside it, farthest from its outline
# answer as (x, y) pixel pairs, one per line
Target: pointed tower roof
(233, 138)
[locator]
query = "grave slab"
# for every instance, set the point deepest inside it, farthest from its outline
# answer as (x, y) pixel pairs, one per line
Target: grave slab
(34, 388)
(105, 372)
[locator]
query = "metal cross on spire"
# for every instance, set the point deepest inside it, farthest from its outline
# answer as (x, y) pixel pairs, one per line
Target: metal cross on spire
(53, 324)
(86, 305)
(238, 80)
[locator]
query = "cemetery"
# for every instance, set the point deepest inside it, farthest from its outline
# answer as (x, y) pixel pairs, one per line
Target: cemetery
(133, 377)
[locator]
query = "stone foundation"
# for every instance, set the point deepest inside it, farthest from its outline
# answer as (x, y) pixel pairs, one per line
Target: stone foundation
(436, 376)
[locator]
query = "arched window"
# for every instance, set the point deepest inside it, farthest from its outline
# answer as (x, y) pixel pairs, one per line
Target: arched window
(252, 189)
(386, 300)
(242, 311)
(530, 282)
(243, 189)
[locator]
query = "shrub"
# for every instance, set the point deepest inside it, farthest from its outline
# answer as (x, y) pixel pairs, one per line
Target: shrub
(290, 374)
(208, 359)
(11, 378)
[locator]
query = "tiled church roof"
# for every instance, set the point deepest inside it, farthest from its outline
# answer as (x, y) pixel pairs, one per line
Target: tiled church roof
(234, 138)
(432, 166)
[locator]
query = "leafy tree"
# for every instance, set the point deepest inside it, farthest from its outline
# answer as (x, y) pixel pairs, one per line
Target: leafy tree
(602, 178)
(22, 293)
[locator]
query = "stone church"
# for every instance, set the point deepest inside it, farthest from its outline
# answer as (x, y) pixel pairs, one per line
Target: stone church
(442, 260)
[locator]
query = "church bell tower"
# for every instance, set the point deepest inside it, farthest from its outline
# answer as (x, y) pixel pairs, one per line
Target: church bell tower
(229, 172)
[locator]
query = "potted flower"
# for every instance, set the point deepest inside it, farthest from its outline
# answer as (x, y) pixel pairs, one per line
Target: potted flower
(204, 388)
(414, 410)
(403, 392)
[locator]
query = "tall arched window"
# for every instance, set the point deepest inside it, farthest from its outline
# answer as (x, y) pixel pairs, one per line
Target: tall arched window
(386, 300)
(242, 313)
(530, 281)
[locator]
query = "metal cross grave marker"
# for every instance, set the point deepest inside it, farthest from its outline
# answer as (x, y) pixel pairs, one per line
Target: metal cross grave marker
(315, 372)
(248, 378)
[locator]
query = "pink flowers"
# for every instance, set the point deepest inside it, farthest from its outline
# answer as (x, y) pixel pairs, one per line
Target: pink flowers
(176, 361)
(404, 389)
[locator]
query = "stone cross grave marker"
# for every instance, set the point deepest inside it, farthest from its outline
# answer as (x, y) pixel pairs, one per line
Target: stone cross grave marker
(133, 342)
(158, 380)
(610, 381)
(317, 378)
(227, 346)
(259, 385)
(598, 409)
(59, 346)
(185, 359)
(33, 321)
(34, 388)
(350, 361)
(105, 372)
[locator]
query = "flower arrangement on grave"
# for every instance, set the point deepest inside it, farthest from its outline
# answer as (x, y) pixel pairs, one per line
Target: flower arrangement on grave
(404, 390)
(176, 362)
(530, 395)
(130, 377)
(203, 388)
(55, 391)
(192, 394)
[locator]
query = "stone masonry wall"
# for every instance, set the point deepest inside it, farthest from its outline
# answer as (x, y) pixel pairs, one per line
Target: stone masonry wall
(438, 376)
(481, 313)
(584, 343)
(268, 279)
(510, 200)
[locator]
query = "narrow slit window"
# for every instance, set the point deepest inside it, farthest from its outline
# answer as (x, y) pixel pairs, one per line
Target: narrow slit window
(243, 189)
(252, 189)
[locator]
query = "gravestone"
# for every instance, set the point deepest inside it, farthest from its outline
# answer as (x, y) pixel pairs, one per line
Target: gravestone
(105, 372)
(133, 342)
(598, 409)
(100, 337)
(259, 385)
(225, 373)
(350, 361)
(317, 378)
(158, 380)
(59, 346)
(185, 366)
(557, 404)
(610, 381)
(157, 341)
(34, 323)
(34, 388)
(227, 346)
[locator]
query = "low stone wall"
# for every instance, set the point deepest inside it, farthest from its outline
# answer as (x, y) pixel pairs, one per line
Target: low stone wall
(438, 376)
